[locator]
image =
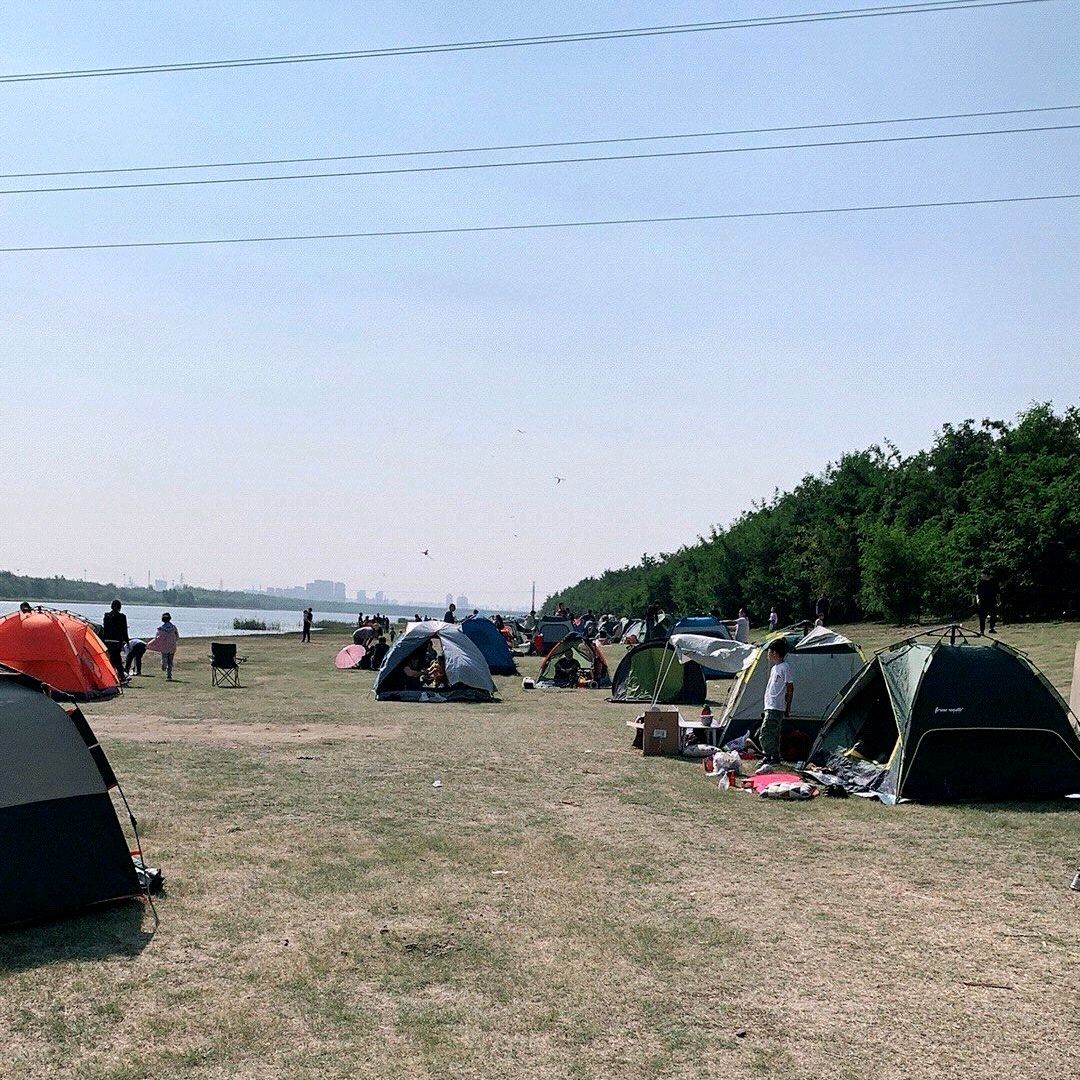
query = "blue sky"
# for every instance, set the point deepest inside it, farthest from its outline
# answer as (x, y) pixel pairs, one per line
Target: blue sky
(268, 414)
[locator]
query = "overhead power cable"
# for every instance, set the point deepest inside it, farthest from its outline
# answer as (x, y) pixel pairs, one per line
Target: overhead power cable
(564, 143)
(461, 230)
(477, 165)
(518, 42)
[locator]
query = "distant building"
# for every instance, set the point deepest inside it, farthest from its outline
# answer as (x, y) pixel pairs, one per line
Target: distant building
(380, 597)
(361, 596)
(160, 584)
(449, 599)
(462, 601)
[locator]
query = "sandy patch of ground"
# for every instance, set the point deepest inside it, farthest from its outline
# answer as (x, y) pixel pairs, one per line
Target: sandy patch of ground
(166, 729)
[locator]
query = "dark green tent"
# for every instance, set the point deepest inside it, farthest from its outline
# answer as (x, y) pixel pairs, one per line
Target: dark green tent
(947, 717)
(61, 845)
(645, 666)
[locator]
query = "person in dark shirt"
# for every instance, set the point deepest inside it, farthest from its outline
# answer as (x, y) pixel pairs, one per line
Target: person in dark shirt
(377, 653)
(821, 609)
(115, 631)
(652, 616)
(986, 601)
(309, 618)
(451, 614)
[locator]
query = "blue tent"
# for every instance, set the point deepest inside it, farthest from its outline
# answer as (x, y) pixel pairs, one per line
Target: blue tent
(486, 636)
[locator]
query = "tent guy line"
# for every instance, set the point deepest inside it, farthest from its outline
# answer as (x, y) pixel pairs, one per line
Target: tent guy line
(536, 226)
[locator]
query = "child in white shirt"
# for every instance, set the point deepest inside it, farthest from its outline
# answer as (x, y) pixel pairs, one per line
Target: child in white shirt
(778, 695)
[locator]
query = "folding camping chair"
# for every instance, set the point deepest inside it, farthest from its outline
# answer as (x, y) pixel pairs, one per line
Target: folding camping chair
(224, 665)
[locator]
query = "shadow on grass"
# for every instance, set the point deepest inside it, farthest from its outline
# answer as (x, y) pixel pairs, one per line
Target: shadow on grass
(1056, 806)
(100, 934)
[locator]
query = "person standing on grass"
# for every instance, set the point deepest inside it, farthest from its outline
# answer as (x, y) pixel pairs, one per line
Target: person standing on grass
(774, 619)
(165, 641)
(742, 627)
(821, 608)
(115, 631)
(306, 621)
(986, 601)
(779, 693)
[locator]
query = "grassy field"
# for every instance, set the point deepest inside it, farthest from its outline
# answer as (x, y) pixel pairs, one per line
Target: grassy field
(559, 907)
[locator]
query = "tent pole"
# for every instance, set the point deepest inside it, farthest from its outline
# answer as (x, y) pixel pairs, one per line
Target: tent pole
(661, 677)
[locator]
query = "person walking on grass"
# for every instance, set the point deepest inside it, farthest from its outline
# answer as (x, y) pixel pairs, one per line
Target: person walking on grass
(115, 631)
(774, 619)
(308, 619)
(165, 642)
(779, 693)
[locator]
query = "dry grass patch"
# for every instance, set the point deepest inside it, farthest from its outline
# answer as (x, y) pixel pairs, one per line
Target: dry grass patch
(560, 907)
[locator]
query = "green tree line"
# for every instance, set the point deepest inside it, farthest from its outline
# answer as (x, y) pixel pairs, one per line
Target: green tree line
(887, 536)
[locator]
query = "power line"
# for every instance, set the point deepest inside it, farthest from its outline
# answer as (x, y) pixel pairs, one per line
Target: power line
(472, 166)
(533, 226)
(536, 145)
(507, 43)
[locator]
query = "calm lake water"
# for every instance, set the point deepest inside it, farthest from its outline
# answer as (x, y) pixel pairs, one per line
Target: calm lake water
(191, 622)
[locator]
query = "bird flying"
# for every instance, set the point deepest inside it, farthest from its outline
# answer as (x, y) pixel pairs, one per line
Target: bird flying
(559, 480)
(426, 552)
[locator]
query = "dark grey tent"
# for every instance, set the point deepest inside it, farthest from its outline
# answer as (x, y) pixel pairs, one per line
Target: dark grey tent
(947, 717)
(61, 845)
(652, 672)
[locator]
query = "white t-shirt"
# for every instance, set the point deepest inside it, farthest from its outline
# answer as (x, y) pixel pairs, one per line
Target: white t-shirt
(742, 629)
(779, 677)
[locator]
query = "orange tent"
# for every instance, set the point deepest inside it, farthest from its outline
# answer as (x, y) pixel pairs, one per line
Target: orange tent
(60, 650)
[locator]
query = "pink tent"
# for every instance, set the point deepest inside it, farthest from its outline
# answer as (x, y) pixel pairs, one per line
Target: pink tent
(350, 657)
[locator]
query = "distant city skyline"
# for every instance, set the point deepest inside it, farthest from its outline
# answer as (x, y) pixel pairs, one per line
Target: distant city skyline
(315, 590)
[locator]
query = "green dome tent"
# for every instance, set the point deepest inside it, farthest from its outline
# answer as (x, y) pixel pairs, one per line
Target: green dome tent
(61, 845)
(947, 718)
(591, 664)
(652, 672)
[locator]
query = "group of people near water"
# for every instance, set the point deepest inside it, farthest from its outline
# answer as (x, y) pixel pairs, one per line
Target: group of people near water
(376, 634)
(126, 653)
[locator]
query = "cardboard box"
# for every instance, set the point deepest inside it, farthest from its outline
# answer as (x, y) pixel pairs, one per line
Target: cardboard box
(660, 734)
